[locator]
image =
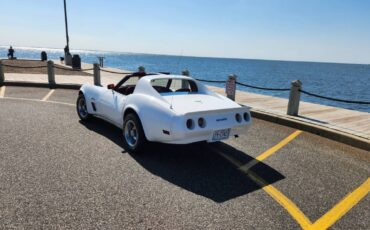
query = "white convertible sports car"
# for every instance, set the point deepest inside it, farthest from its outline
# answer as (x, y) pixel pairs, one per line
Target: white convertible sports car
(163, 108)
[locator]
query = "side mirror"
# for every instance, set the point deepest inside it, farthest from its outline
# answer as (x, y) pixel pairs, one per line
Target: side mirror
(110, 86)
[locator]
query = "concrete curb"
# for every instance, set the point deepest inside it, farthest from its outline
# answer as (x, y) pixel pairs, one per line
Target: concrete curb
(345, 138)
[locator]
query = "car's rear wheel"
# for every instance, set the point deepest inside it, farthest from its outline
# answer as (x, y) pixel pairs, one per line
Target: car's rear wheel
(133, 134)
(82, 108)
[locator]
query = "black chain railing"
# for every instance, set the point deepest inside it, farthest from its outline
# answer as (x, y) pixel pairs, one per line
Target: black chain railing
(44, 66)
(24, 67)
(211, 81)
(262, 88)
(246, 85)
(335, 99)
(287, 89)
(114, 72)
(67, 69)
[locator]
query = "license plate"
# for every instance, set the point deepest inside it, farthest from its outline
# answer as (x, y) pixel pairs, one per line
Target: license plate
(221, 134)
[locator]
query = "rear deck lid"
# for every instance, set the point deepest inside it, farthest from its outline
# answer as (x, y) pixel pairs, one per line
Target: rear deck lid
(190, 103)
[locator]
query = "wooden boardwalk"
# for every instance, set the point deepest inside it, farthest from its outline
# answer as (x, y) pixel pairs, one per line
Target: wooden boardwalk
(342, 120)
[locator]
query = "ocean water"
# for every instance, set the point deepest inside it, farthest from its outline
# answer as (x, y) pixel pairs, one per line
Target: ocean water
(344, 81)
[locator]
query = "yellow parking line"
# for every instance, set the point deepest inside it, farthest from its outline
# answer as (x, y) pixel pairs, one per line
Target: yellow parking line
(270, 151)
(284, 201)
(342, 207)
(48, 95)
(227, 157)
(2, 91)
(324, 222)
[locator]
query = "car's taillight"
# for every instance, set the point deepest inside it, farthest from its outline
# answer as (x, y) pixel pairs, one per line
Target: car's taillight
(190, 124)
(201, 122)
(238, 117)
(247, 117)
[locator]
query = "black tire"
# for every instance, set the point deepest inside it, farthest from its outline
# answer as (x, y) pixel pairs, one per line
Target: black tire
(82, 108)
(134, 139)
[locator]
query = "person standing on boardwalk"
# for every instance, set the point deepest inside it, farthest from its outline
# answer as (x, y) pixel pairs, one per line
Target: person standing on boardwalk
(11, 53)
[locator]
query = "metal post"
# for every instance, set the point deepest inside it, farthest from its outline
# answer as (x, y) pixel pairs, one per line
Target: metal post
(101, 61)
(67, 54)
(2, 77)
(66, 23)
(231, 86)
(97, 74)
(185, 73)
(51, 73)
(294, 98)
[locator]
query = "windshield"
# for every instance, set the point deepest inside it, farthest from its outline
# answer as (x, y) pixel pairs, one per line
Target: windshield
(131, 81)
(178, 86)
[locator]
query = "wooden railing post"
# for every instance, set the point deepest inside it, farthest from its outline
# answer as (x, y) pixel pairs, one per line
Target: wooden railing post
(185, 72)
(141, 69)
(231, 87)
(51, 73)
(294, 98)
(97, 80)
(185, 84)
(2, 76)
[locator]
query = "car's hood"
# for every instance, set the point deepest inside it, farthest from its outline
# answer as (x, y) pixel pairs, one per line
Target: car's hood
(190, 103)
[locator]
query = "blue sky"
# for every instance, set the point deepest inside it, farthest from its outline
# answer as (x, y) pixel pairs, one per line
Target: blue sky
(310, 30)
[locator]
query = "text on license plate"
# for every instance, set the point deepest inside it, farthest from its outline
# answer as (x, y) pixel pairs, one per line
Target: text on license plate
(221, 134)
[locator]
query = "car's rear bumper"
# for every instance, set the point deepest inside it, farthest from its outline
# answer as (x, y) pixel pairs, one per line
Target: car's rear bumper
(186, 129)
(204, 135)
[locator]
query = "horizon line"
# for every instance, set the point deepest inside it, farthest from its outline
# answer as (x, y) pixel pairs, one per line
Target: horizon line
(194, 56)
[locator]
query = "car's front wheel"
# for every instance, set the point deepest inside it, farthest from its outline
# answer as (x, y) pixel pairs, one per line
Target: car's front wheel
(82, 108)
(134, 139)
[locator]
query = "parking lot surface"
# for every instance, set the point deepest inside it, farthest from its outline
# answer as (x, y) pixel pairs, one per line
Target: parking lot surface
(59, 172)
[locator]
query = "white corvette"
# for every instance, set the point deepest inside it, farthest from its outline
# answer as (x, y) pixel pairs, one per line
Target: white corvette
(163, 108)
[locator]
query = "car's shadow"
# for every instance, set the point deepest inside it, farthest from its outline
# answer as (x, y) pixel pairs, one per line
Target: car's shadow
(196, 167)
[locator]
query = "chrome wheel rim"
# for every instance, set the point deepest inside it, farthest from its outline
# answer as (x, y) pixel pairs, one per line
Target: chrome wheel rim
(130, 133)
(81, 106)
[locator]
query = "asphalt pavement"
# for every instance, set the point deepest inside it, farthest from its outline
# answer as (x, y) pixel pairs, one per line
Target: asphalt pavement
(59, 172)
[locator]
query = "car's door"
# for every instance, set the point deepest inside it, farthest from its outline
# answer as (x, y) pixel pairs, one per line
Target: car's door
(111, 103)
(119, 101)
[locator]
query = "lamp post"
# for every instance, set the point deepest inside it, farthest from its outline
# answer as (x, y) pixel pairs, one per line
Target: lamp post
(66, 23)
(67, 55)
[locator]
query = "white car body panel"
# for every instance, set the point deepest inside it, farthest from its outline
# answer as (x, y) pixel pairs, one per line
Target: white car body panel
(188, 103)
(168, 112)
